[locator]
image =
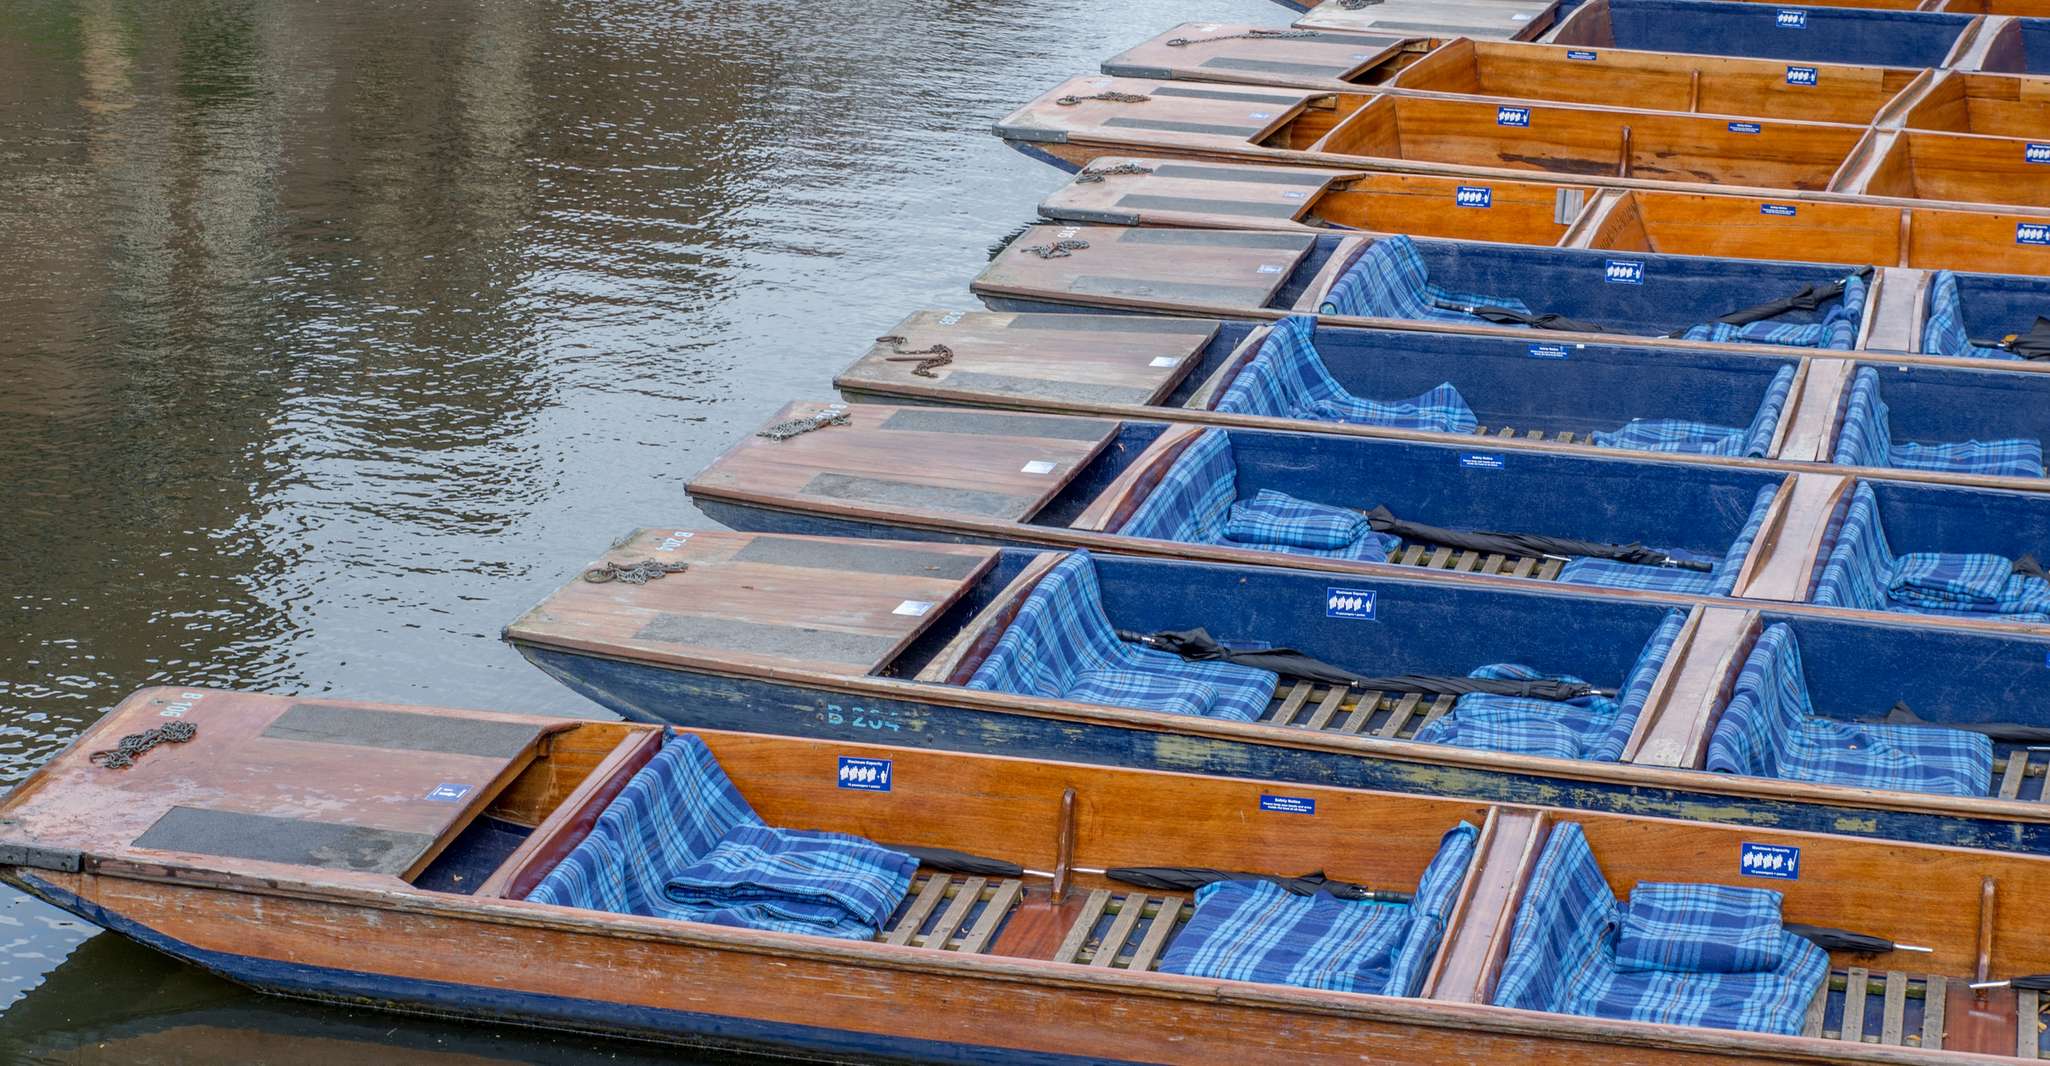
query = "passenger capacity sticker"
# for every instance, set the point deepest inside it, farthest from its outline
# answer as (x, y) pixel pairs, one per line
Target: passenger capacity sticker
(1480, 461)
(1548, 351)
(1791, 20)
(1769, 860)
(866, 775)
(447, 793)
(2031, 233)
(1581, 55)
(1782, 210)
(1288, 804)
(1349, 603)
(1801, 76)
(1512, 116)
(1745, 127)
(2036, 153)
(1623, 272)
(1474, 196)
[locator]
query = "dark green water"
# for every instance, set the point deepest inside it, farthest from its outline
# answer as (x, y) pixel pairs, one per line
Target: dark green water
(335, 334)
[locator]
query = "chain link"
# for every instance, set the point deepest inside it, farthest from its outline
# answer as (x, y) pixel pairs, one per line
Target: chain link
(928, 359)
(1091, 176)
(1355, 5)
(1113, 97)
(123, 755)
(1056, 250)
(797, 427)
(639, 573)
(1250, 35)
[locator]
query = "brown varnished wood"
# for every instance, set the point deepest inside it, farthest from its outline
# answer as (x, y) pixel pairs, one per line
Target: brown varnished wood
(1067, 358)
(561, 763)
(1782, 560)
(1207, 270)
(1997, 105)
(571, 819)
(1260, 55)
(963, 654)
(1694, 685)
(768, 612)
(1950, 166)
(1522, 20)
(1486, 909)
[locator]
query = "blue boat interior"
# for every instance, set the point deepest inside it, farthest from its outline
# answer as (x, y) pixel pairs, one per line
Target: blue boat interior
(1968, 313)
(2034, 34)
(1924, 418)
(1858, 36)
(1637, 293)
(1935, 549)
(1538, 386)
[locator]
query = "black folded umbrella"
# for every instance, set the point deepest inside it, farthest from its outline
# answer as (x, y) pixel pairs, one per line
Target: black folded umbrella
(1509, 316)
(1191, 878)
(1197, 645)
(959, 862)
(2035, 344)
(1831, 939)
(2003, 732)
(1811, 297)
(1384, 521)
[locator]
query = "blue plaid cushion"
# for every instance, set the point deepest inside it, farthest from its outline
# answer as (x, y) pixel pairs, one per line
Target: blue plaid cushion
(1943, 329)
(1592, 727)
(1770, 729)
(1866, 439)
(1259, 931)
(1838, 328)
(1562, 959)
(1195, 500)
(1687, 928)
(760, 877)
(1288, 379)
(1962, 583)
(1061, 646)
(1700, 438)
(1389, 280)
(1609, 573)
(669, 815)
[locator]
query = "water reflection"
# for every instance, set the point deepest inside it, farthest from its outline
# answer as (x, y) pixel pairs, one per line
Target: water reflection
(333, 335)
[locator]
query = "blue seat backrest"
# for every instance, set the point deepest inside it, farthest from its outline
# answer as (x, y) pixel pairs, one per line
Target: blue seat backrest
(1860, 563)
(1388, 280)
(1636, 690)
(1769, 702)
(1192, 498)
(1285, 377)
(1865, 438)
(1562, 925)
(1054, 636)
(1431, 908)
(1943, 325)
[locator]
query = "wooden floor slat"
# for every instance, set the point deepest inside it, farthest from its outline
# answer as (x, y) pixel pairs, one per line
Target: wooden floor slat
(1934, 991)
(992, 918)
(1328, 708)
(1078, 934)
(1404, 707)
(1147, 954)
(1856, 984)
(1129, 910)
(965, 898)
(2011, 779)
(1894, 1019)
(922, 906)
(1292, 703)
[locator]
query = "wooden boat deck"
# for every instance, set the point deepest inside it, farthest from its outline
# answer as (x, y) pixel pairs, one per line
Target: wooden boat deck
(1507, 20)
(1258, 55)
(1037, 359)
(1993, 105)
(1206, 271)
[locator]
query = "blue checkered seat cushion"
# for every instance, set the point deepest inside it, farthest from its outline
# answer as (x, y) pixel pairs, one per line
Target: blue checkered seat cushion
(1701, 438)
(1770, 729)
(1286, 378)
(1862, 572)
(1610, 573)
(1564, 958)
(1062, 646)
(1389, 280)
(679, 841)
(1592, 727)
(1943, 327)
(1259, 931)
(1197, 502)
(1837, 329)
(1866, 439)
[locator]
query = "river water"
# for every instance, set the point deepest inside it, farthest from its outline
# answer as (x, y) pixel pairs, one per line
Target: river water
(335, 334)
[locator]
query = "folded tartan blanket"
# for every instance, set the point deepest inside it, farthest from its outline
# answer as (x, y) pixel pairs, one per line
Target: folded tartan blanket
(1956, 582)
(1272, 517)
(761, 876)
(1696, 928)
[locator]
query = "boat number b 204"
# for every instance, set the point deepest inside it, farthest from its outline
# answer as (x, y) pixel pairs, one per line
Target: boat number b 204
(859, 718)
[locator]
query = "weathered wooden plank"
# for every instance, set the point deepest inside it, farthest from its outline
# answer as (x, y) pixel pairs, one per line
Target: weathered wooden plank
(1129, 909)
(1001, 900)
(1857, 982)
(1070, 949)
(929, 897)
(1147, 954)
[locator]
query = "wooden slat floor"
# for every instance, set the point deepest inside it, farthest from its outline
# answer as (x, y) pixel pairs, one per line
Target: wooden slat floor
(1124, 931)
(953, 913)
(1336, 709)
(1891, 1007)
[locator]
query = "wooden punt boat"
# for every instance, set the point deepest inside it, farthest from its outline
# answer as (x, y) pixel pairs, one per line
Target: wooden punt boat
(1295, 500)
(810, 636)
(1858, 36)
(1088, 118)
(1162, 192)
(1968, 7)
(1617, 78)
(323, 863)
(1635, 298)
(1523, 395)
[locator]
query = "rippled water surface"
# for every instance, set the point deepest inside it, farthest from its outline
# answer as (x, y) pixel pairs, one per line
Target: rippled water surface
(334, 334)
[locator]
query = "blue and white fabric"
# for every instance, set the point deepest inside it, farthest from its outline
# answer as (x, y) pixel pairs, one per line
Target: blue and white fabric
(681, 816)
(1943, 327)
(1062, 646)
(1389, 280)
(1866, 439)
(1862, 572)
(1838, 328)
(1770, 729)
(1701, 438)
(1697, 928)
(1286, 378)
(1591, 727)
(1562, 958)
(1197, 502)
(1719, 581)
(1259, 931)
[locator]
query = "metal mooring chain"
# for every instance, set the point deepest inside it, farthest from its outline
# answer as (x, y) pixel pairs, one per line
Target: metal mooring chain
(639, 573)
(1117, 170)
(1355, 5)
(1056, 250)
(928, 359)
(798, 427)
(123, 755)
(1251, 35)
(1113, 97)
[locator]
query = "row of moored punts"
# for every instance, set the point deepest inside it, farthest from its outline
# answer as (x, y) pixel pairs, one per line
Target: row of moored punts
(1475, 529)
